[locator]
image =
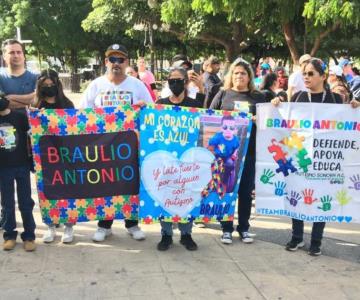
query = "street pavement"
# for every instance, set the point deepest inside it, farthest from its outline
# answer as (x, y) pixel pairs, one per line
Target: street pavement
(122, 268)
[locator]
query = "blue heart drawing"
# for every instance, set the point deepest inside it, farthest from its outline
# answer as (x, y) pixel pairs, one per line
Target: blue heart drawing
(348, 219)
(340, 219)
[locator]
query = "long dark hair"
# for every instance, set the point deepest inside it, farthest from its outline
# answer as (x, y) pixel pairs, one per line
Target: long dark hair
(268, 81)
(61, 100)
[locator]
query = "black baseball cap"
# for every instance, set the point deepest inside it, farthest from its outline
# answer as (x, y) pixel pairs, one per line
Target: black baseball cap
(116, 48)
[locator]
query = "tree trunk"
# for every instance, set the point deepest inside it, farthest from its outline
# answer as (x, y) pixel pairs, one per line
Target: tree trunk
(290, 41)
(321, 36)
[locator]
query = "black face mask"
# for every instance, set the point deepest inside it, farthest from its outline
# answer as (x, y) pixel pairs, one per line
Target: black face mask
(49, 91)
(4, 103)
(177, 86)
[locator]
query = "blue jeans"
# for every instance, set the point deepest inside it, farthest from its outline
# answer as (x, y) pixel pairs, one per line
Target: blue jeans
(21, 175)
(166, 228)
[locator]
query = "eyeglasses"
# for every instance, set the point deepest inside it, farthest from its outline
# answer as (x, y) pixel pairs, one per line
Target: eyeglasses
(115, 59)
(225, 127)
(310, 74)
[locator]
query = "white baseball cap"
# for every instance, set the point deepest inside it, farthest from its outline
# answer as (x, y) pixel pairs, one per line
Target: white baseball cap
(336, 70)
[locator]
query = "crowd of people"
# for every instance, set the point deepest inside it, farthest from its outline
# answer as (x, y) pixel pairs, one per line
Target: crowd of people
(186, 86)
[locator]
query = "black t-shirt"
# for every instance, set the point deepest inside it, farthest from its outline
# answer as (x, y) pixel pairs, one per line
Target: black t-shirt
(225, 100)
(13, 140)
(67, 104)
(212, 84)
(269, 95)
(187, 102)
(317, 97)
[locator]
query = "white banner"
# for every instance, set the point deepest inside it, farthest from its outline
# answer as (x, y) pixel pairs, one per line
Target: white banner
(308, 162)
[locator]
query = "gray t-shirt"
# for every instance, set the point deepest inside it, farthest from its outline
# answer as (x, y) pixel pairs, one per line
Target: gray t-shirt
(17, 85)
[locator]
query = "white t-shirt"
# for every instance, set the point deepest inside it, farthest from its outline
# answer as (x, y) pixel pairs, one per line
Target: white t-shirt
(296, 81)
(102, 92)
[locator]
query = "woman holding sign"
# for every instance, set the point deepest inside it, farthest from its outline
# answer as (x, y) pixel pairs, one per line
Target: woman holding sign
(315, 81)
(50, 95)
(178, 82)
(239, 90)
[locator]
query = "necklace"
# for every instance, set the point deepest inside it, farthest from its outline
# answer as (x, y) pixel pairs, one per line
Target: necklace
(323, 96)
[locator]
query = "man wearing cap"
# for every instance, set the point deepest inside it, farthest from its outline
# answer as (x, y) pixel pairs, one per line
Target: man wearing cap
(338, 84)
(296, 80)
(345, 64)
(113, 89)
(212, 82)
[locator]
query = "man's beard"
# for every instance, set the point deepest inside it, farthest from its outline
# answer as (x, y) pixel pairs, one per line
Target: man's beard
(117, 71)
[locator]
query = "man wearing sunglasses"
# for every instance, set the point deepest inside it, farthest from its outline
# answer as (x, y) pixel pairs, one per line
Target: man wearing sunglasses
(113, 89)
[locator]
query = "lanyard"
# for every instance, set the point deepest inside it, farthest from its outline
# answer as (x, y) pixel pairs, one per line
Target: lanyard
(323, 96)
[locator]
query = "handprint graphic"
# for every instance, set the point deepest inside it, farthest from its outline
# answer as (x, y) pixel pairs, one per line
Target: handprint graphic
(266, 176)
(308, 196)
(294, 198)
(325, 203)
(342, 197)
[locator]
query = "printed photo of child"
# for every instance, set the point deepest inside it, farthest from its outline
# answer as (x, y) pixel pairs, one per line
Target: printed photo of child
(225, 145)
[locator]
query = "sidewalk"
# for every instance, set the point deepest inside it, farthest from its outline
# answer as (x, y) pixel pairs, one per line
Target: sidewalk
(122, 268)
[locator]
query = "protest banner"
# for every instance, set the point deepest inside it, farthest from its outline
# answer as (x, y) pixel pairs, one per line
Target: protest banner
(190, 163)
(307, 162)
(86, 163)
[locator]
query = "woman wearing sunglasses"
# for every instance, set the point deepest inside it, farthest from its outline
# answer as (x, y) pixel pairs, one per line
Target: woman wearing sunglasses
(50, 95)
(178, 82)
(239, 90)
(315, 81)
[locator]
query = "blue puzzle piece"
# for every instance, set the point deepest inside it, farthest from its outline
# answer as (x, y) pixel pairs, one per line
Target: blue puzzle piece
(120, 115)
(119, 215)
(44, 120)
(63, 130)
(101, 127)
(285, 166)
(63, 213)
(134, 209)
(82, 118)
(71, 204)
(100, 211)
(108, 201)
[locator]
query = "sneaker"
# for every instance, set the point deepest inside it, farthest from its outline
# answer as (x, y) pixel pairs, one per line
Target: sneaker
(68, 235)
(187, 241)
(314, 250)
(294, 244)
(199, 224)
(252, 235)
(49, 235)
(246, 237)
(226, 238)
(136, 233)
(165, 243)
(29, 246)
(9, 245)
(100, 234)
